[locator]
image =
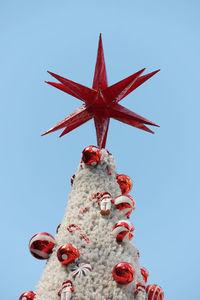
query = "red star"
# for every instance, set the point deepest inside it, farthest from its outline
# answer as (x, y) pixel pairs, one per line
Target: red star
(101, 101)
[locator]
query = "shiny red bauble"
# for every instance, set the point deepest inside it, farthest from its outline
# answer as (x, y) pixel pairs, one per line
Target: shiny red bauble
(123, 273)
(41, 245)
(125, 203)
(91, 156)
(125, 183)
(123, 231)
(154, 292)
(145, 274)
(67, 254)
(29, 295)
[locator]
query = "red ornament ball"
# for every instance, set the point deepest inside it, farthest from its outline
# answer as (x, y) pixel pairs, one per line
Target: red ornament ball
(123, 231)
(123, 273)
(145, 274)
(126, 204)
(67, 254)
(91, 156)
(41, 245)
(125, 183)
(154, 292)
(29, 295)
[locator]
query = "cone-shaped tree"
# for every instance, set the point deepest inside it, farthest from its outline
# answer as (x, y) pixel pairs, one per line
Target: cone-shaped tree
(96, 242)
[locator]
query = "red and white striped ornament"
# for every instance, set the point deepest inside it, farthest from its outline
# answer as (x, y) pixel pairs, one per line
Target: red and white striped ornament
(41, 245)
(80, 270)
(69, 228)
(145, 274)
(154, 292)
(123, 231)
(29, 295)
(125, 203)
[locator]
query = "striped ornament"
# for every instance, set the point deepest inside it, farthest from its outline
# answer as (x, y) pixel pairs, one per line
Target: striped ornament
(123, 231)
(154, 292)
(41, 245)
(80, 270)
(126, 204)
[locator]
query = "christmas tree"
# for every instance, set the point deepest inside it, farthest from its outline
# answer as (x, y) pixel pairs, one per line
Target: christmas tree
(92, 255)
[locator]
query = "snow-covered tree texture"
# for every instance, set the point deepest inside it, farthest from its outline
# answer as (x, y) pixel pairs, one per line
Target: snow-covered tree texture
(90, 276)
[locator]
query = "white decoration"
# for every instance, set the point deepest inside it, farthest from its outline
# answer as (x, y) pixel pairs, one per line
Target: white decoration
(66, 292)
(80, 270)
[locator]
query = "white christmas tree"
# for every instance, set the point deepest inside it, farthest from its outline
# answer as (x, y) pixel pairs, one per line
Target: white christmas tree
(92, 255)
(101, 251)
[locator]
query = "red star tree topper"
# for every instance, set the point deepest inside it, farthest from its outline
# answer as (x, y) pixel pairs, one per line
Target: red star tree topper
(101, 101)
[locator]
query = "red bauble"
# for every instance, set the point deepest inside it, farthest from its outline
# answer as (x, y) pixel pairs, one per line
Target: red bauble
(91, 156)
(67, 254)
(125, 203)
(123, 231)
(41, 245)
(29, 295)
(125, 183)
(154, 292)
(123, 273)
(145, 274)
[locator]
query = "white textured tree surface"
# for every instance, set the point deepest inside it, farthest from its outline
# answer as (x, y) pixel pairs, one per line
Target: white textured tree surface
(103, 252)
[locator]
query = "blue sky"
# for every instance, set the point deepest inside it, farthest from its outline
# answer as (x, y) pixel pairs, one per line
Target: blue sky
(62, 36)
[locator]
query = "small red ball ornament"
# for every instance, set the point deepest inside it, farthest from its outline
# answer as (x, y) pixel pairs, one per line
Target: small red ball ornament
(123, 273)
(91, 156)
(41, 245)
(125, 203)
(123, 231)
(154, 292)
(145, 274)
(125, 183)
(29, 295)
(67, 254)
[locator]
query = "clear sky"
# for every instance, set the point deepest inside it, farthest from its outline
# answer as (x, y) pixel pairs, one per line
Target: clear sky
(62, 36)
